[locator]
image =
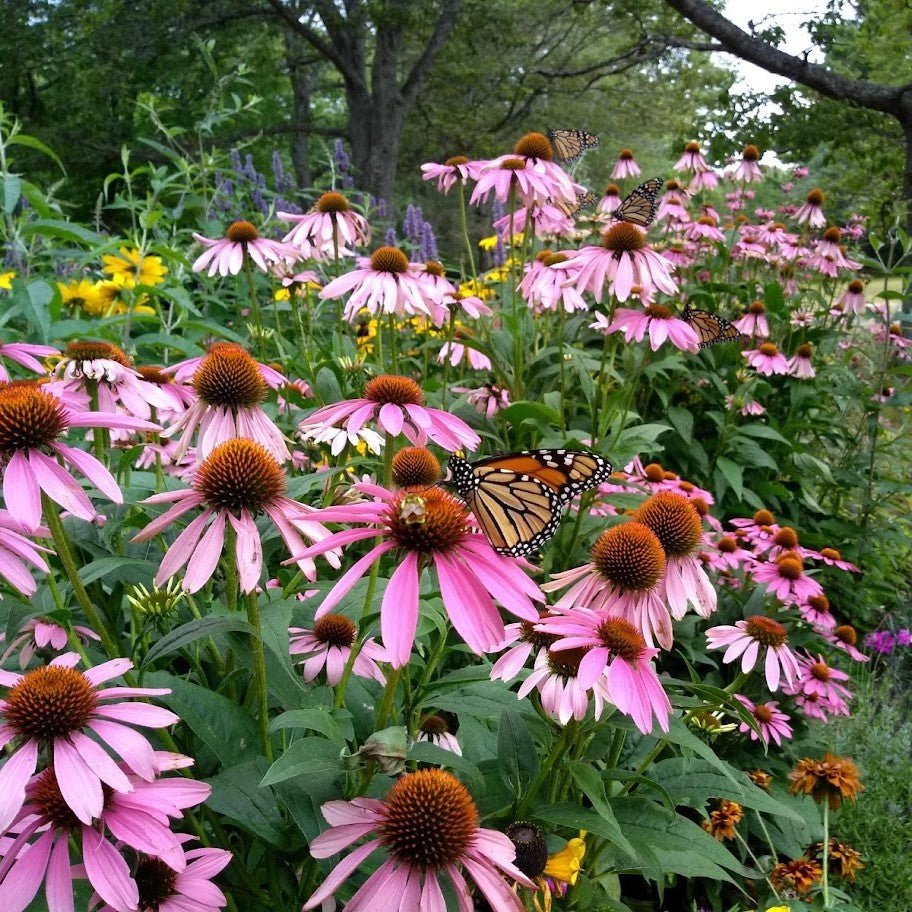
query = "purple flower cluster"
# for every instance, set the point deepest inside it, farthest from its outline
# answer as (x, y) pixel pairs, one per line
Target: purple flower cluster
(885, 641)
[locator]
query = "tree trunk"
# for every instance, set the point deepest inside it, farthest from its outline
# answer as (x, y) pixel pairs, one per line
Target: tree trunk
(301, 74)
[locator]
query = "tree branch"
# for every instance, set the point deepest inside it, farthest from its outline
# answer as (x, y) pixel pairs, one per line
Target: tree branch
(875, 96)
(441, 32)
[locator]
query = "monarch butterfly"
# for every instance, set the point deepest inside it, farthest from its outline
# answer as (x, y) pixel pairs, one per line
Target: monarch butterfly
(584, 199)
(711, 330)
(570, 145)
(517, 498)
(641, 205)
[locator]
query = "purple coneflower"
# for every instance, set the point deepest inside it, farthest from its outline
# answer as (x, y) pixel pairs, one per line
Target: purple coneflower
(610, 200)
(845, 637)
(674, 519)
(820, 679)
(754, 322)
(799, 365)
(615, 651)
(545, 288)
(622, 580)
(428, 826)
(785, 578)
(436, 730)
(384, 284)
(659, 322)
(747, 170)
(328, 645)
(328, 230)
(162, 889)
(625, 260)
(812, 211)
(41, 633)
(705, 228)
(767, 360)
(52, 707)
(853, 299)
(692, 159)
(430, 526)
(17, 550)
(487, 400)
(31, 421)
(772, 722)
(230, 387)
(457, 169)
(237, 482)
(397, 405)
(625, 166)
(745, 640)
(108, 371)
(226, 255)
(563, 697)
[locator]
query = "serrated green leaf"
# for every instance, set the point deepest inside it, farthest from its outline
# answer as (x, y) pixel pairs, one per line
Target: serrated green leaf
(516, 750)
(307, 757)
(593, 788)
(238, 796)
(335, 724)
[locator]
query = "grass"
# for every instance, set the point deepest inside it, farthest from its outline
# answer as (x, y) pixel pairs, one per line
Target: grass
(878, 736)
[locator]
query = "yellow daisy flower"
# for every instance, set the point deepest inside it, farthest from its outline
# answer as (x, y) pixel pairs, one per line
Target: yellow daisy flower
(6, 280)
(83, 294)
(131, 268)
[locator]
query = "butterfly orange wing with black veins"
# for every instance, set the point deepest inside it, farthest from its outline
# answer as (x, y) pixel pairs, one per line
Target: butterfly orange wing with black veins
(710, 329)
(570, 145)
(641, 205)
(517, 498)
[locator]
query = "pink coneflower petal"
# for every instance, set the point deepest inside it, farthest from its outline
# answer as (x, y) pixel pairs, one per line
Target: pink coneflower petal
(341, 872)
(21, 492)
(399, 611)
(14, 776)
(349, 579)
(470, 608)
(108, 872)
(21, 885)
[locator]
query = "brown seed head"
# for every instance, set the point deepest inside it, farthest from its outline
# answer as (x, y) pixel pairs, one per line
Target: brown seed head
(764, 518)
(389, 259)
(46, 794)
(786, 537)
(856, 286)
(766, 631)
(625, 155)
(805, 350)
(429, 819)
(553, 258)
(50, 702)
(831, 553)
(674, 520)
(566, 662)
(534, 145)
(654, 472)
(707, 220)
(335, 630)
(229, 377)
(154, 375)
(815, 197)
(751, 153)
(658, 311)
(241, 233)
(388, 388)
(832, 234)
(96, 351)
(434, 725)
(621, 639)
(513, 164)
(332, 202)
(531, 849)
(415, 466)
(629, 556)
(156, 883)
(538, 639)
(756, 307)
(768, 349)
(240, 474)
(427, 520)
(790, 565)
(29, 418)
(819, 602)
(692, 147)
(456, 160)
(847, 634)
(612, 190)
(623, 237)
(727, 545)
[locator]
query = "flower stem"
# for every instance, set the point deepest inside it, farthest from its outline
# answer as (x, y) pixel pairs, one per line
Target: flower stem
(465, 228)
(339, 701)
(386, 703)
(259, 668)
(254, 307)
(231, 569)
(557, 750)
(826, 854)
(65, 553)
(757, 864)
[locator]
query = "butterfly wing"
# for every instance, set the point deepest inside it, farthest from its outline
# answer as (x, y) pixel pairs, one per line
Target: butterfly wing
(710, 329)
(641, 205)
(570, 145)
(584, 200)
(566, 472)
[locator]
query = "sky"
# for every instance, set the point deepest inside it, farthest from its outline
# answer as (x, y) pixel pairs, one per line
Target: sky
(789, 14)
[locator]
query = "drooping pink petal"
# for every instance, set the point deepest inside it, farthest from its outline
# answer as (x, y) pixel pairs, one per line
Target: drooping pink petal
(60, 486)
(347, 581)
(205, 558)
(182, 548)
(14, 777)
(399, 611)
(92, 469)
(20, 886)
(79, 784)
(342, 871)
(108, 871)
(59, 880)
(21, 491)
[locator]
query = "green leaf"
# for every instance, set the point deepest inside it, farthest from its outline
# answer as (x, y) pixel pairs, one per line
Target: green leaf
(575, 817)
(425, 752)
(22, 139)
(692, 781)
(681, 846)
(335, 724)
(63, 231)
(731, 472)
(516, 750)
(307, 757)
(229, 732)
(761, 430)
(594, 789)
(237, 795)
(682, 420)
(128, 570)
(192, 631)
(12, 190)
(536, 412)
